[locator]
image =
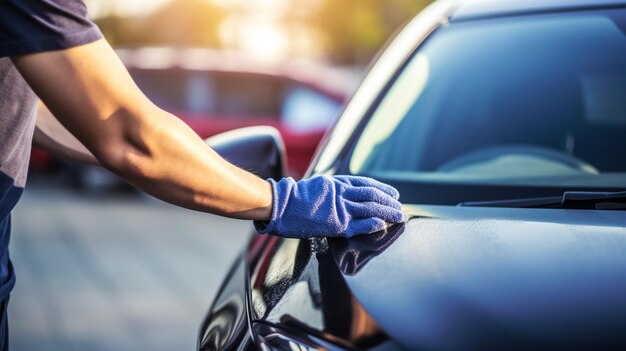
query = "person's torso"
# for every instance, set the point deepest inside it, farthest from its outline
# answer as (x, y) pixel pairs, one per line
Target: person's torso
(17, 122)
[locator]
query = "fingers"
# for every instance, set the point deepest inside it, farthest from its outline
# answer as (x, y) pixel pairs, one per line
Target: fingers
(329, 206)
(358, 181)
(364, 226)
(368, 194)
(373, 209)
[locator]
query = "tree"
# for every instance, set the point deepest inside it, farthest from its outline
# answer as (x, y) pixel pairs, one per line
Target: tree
(353, 30)
(185, 23)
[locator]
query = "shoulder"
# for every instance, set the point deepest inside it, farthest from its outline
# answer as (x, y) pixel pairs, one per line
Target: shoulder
(44, 25)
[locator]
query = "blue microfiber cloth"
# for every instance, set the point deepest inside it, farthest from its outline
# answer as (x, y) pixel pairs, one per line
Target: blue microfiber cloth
(331, 206)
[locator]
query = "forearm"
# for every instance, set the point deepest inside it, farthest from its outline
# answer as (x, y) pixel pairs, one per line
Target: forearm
(52, 137)
(92, 95)
(167, 159)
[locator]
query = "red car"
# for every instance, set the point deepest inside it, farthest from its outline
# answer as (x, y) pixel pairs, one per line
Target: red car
(218, 91)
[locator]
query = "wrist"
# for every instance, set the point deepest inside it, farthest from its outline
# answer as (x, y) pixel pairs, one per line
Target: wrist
(264, 212)
(268, 224)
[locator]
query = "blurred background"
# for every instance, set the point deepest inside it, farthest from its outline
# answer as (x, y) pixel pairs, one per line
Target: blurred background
(102, 267)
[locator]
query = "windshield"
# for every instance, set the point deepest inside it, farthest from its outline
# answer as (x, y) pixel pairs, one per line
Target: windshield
(532, 101)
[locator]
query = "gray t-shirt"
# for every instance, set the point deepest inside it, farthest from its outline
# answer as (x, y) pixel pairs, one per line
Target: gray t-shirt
(27, 26)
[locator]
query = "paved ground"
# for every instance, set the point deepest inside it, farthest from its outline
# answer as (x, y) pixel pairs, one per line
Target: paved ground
(114, 273)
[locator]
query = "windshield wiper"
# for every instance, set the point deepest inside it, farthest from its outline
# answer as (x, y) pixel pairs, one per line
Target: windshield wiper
(582, 200)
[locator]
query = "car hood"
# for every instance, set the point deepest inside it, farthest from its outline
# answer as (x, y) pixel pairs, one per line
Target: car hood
(481, 278)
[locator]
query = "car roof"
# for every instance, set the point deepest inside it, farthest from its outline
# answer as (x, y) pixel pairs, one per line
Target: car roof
(466, 10)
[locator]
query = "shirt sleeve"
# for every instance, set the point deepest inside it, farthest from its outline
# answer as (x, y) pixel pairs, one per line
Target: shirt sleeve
(30, 26)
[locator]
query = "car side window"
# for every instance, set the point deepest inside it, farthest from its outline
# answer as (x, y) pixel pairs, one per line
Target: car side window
(305, 109)
(164, 87)
(247, 95)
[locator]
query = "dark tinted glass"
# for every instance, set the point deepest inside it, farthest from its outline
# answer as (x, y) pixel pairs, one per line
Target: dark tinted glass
(248, 94)
(218, 94)
(166, 88)
(530, 100)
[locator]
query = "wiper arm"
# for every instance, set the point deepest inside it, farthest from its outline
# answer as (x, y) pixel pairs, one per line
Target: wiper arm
(582, 200)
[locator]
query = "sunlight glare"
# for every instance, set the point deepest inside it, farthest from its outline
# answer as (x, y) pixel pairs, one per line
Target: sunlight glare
(260, 37)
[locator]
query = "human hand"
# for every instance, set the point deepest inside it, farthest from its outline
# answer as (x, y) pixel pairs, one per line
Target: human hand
(331, 206)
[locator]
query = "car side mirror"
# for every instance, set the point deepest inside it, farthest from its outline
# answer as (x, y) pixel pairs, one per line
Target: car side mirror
(259, 150)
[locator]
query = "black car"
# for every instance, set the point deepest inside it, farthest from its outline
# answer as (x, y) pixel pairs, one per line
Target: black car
(503, 125)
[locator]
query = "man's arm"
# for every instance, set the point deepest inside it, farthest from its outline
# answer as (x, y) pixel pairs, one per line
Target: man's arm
(52, 137)
(90, 92)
